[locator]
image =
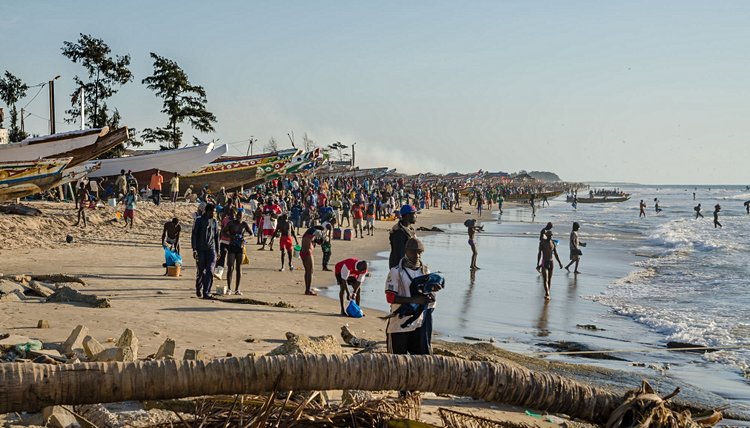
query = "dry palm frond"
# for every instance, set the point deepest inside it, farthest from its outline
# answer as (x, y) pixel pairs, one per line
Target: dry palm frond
(644, 408)
(456, 419)
(259, 411)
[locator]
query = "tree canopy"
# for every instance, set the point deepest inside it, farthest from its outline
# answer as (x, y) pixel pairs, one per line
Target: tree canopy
(13, 89)
(105, 76)
(183, 102)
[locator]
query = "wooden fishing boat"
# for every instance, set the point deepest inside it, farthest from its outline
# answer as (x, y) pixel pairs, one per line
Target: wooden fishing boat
(104, 143)
(182, 161)
(19, 179)
(599, 199)
(355, 173)
(300, 163)
(537, 196)
(50, 146)
(233, 174)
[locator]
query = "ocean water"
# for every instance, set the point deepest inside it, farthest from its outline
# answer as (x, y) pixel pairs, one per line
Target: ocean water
(644, 282)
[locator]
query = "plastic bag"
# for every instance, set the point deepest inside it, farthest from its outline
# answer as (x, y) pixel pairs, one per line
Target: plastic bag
(245, 259)
(353, 309)
(172, 257)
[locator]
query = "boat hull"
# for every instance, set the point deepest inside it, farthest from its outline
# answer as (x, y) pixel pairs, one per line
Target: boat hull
(182, 161)
(56, 146)
(599, 200)
(23, 178)
(102, 145)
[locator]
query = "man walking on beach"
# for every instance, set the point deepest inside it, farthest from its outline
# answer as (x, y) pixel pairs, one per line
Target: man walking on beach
(414, 338)
(205, 243)
(350, 272)
(401, 233)
(547, 249)
(121, 184)
(642, 207)
(575, 248)
(286, 233)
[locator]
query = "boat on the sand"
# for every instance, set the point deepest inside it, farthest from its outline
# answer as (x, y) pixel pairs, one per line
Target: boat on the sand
(51, 146)
(103, 144)
(233, 174)
(182, 161)
(19, 179)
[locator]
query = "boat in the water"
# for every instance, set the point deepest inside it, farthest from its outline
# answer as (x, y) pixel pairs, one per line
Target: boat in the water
(51, 146)
(598, 199)
(19, 179)
(106, 142)
(527, 196)
(182, 161)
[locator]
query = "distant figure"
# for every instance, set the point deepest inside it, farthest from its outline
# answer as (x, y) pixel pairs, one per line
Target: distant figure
(642, 206)
(717, 208)
(575, 248)
(656, 205)
(575, 202)
(472, 227)
(130, 204)
(174, 186)
(285, 230)
(547, 249)
(236, 229)
(500, 201)
(747, 206)
(693, 195)
(83, 202)
(533, 206)
(698, 211)
(121, 184)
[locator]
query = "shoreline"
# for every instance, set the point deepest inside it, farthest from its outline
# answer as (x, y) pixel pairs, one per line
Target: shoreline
(156, 307)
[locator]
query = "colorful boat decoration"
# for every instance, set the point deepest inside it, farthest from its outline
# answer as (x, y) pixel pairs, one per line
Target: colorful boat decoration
(19, 179)
(234, 174)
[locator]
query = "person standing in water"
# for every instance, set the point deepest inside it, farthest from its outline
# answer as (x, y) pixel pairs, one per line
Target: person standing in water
(656, 205)
(698, 211)
(717, 208)
(747, 206)
(472, 227)
(642, 207)
(547, 250)
(575, 248)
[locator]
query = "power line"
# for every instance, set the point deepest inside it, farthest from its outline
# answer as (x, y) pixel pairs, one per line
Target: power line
(44, 118)
(36, 95)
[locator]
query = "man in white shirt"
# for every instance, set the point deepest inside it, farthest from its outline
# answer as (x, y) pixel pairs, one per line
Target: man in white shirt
(415, 337)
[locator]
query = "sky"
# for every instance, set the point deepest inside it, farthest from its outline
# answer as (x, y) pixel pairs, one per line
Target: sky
(636, 91)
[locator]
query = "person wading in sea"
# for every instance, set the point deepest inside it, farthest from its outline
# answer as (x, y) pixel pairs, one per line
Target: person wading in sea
(575, 248)
(547, 250)
(717, 208)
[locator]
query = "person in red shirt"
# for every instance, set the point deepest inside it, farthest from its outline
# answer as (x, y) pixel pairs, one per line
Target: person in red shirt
(350, 272)
(357, 216)
(322, 198)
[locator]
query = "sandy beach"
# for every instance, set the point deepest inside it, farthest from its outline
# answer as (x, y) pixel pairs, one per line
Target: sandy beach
(125, 267)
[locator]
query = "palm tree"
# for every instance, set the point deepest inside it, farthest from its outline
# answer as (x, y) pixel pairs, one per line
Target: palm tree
(31, 387)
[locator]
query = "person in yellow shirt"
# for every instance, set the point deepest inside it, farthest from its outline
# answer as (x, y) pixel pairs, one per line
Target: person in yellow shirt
(156, 181)
(174, 186)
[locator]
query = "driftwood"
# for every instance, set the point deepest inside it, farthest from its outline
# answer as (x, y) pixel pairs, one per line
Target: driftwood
(30, 387)
(68, 295)
(57, 277)
(352, 340)
(19, 210)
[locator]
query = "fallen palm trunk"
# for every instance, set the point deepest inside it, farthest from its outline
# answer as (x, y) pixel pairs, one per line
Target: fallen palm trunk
(30, 387)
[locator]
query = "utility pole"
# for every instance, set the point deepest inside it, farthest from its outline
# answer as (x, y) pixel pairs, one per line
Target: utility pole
(83, 110)
(22, 114)
(52, 104)
(353, 144)
(250, 146)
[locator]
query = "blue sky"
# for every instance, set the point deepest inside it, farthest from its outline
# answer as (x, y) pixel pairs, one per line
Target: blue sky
(650, 92)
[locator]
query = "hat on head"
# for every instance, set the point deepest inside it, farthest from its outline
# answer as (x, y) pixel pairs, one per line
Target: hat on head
(407, 209)
(414, 244)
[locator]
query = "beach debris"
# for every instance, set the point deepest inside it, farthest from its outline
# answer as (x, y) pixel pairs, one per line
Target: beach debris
(59, 417)
(246, 301)
(644, 408)
(250, 339)
(69, 239)
(42, 324)
(113, 354)
(350, 397)
(591, 327)
(194, 354)
(56, 278)
(577, 349)
(301, 344)
(19, 210)
(166, 350)
(129, 343)
(74, 342)
(68, 295)
(455, 418)
(92, 347)
(351, 340)
(430, 229)
(689, 347)
(41, 289)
